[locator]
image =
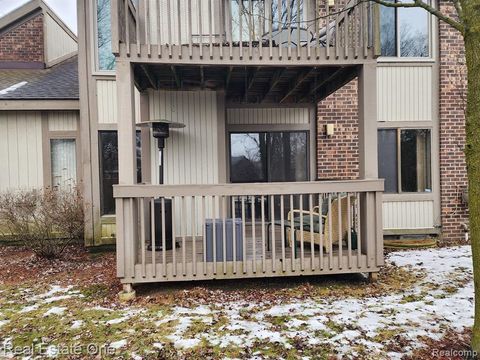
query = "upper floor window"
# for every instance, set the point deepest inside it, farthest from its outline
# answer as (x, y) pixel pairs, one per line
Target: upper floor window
(105, 58)
(404, 32)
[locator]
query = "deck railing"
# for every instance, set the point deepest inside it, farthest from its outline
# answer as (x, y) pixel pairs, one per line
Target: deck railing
(227, 29)
(190, 232)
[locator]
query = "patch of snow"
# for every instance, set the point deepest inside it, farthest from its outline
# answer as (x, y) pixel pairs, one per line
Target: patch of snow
(77, 324)
(13, 87)
(55, 311)
(118, 344)
(185, 343)
(29, 308)
(4, 322)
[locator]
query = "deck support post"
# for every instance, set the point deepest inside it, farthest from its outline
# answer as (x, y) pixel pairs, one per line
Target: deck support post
(127, 294)
(126, 211)
(368, 160)
(372, 277)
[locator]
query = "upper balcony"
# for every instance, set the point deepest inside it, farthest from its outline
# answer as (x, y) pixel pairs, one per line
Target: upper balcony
(246, 32)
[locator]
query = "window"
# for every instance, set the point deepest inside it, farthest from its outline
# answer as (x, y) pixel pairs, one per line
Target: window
(109, 168)
(268, 157)
(404, 160)
(64, 163)
(404, 32)
(105, 58)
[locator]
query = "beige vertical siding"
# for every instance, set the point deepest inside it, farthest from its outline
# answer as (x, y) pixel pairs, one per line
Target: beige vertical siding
(257, 116)
(408, 215)
(191, 153)
(21, 163)
(404, 93)
(63, 120)
(59, 42)
(107, 102)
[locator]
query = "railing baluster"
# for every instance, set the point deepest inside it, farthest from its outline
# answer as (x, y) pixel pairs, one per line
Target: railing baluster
(142, 234)
(365, 28)
(152, 234)
(289, 34)
(159, 28)
(147, 28)
(312, 236)
(270, 27)
(229, 33)
(221, 22)
(164, 239)
(254, 238)
(194, 237)
(127, 27)
(169, 22)
(299, 46)
(320, 210)
(214, 227)
(340, 230)
(210, 28)
(183, 231)
(302, 235)
(337, 31)
(349, 231)
(261, 31)
(234, 236)
(240, 20)
(190, 32)
(244, 235)
(282, 230)
(179, 30)
(204, 234)
(137, 31)
(327, 26)
(224, 235)
(272, 204)
(262, 199)
(330, 232)
(251, 27)
(174, 240)
(292, 233)
(359, 234)
(317, 28)
(355, 35)
(346, 24)
(280, 27)
(200, 26)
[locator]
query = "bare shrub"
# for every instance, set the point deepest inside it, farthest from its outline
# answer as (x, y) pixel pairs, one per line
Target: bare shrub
(45, 221)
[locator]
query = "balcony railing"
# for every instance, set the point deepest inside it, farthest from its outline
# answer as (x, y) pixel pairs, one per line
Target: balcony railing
(195, 232)
(244, 30)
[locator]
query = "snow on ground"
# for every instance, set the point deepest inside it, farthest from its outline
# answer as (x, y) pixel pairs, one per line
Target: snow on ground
(443, 298)
(386, 326)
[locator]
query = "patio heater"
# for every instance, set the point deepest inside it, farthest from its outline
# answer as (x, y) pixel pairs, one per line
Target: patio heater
(161, 132)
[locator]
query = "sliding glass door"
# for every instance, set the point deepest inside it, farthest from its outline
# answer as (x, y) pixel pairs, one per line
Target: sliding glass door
(280, 156)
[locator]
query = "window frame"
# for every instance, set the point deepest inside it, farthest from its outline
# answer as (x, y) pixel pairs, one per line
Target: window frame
(398, 131)
(431, 27)
(94, 40)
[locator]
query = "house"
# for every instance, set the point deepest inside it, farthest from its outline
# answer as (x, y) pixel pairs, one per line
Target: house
(39, 101)
(286, 105)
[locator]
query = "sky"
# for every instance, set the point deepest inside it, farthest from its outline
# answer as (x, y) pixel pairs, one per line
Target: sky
(65, 9)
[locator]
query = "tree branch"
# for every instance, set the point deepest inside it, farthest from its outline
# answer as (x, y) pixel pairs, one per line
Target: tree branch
(420, 4)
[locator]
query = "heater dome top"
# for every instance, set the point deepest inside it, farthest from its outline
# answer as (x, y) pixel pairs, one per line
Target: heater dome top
(170, 124)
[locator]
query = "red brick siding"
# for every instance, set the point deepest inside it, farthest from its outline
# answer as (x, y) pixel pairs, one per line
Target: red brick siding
(337, 156)
(453, 176)
(24, 43)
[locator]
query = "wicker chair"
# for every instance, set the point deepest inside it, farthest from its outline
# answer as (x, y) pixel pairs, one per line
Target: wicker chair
(330, 232)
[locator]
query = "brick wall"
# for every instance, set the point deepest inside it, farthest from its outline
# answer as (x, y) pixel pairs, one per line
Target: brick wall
(453, 177)
(23, 43)
(337, 156)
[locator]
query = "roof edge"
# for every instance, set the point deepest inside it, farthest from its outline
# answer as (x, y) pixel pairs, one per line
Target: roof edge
(39, 105)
